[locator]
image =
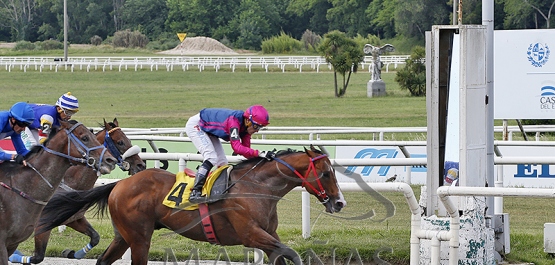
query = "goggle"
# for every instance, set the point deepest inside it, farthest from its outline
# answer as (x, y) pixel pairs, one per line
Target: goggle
(22, 124)
(255, 125)
(68, 112)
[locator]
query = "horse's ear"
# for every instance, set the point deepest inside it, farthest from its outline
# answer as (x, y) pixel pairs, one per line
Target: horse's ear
(314, 148)
(116, 122)
(309, 152)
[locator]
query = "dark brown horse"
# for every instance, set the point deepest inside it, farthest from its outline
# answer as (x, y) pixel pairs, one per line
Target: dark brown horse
(81, 177)
(247, 214)
(25, 190)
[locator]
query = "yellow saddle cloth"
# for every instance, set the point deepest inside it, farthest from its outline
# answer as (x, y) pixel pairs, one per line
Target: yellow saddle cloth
(178, 197)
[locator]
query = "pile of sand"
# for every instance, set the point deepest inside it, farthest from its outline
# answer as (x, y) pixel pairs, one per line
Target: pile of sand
(200, 46)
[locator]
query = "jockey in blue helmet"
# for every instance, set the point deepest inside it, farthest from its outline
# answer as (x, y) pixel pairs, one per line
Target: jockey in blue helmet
(205, 130)
(12, 123)
(49, 116)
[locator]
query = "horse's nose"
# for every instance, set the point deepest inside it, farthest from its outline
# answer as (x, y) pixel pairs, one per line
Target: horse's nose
(138, 168)
(110, 161)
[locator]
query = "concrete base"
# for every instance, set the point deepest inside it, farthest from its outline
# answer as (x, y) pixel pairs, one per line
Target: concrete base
(375, 88)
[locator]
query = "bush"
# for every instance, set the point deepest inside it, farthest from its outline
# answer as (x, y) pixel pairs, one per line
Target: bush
(281, 44)
(96, 40)
(129, 39)
(370, 39)
(413, 76)
(310, 40)
(24, 46)
(165, 41)
(50, 45)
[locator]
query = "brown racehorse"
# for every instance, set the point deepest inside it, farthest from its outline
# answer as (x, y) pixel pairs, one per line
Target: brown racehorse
(247, 214)
(81, 177)
(24, 191)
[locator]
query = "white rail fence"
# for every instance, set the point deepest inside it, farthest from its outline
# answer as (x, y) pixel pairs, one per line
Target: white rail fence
(378, 133)
(184, 63)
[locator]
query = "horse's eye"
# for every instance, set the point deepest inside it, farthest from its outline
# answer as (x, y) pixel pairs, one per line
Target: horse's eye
(121, 143)
(85, 138)
(326, 174)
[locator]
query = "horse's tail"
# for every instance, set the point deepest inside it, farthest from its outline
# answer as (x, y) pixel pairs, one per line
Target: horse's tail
(64, 205)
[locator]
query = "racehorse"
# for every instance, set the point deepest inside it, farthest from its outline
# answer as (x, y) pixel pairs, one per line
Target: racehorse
(26, 189)
(81, 177)
(245, 215)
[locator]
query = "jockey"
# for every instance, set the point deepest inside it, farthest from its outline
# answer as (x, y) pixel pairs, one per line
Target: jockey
(12, 123)
(48, 117)
(205, 130)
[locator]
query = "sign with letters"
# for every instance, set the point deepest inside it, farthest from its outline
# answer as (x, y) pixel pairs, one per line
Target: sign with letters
(524, 75)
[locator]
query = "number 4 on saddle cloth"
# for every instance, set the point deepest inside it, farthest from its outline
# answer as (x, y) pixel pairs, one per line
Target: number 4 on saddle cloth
(216, 185)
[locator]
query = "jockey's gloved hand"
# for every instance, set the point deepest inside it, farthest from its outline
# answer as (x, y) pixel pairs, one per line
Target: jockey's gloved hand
(19, 159)
(269, 155)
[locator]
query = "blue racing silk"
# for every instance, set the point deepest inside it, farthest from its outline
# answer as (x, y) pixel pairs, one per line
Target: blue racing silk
(7, 131)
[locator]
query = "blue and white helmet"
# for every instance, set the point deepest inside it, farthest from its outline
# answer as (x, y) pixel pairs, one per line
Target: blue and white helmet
(69, 102)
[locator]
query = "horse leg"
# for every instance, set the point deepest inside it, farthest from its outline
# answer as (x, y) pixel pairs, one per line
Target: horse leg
(82, 226)
(276, 251)
(282, 253)
(115, 250)
(41, 241)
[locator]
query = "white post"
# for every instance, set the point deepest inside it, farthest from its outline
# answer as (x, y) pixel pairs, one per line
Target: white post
(305, 214)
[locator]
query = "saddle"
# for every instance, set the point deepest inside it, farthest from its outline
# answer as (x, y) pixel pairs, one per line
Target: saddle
(215, 188)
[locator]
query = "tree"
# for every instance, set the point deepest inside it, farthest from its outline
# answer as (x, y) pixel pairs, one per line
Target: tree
(147, 16)
(344, 54)
(311, 14)
(17, 16)
(414, 17)
(526, 14)
(349, 16)
(413, 76)
(547, 16)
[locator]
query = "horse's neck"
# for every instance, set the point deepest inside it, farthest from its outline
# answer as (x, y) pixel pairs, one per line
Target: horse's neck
(49, 168)
(277, 179)
(101, 135)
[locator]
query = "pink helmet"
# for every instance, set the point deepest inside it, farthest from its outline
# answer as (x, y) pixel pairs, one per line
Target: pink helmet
(257, 115)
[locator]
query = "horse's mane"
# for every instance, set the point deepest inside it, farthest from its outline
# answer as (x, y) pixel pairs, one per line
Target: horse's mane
(248, 162)
(103, 126)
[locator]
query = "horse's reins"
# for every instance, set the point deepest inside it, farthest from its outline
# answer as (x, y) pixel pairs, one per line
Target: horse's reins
(311, 168)
(22, 194)
(239, 179)
(109, 143)
(89, 161)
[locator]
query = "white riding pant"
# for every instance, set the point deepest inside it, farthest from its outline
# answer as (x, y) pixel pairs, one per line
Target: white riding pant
(208, 145)
(30, 138)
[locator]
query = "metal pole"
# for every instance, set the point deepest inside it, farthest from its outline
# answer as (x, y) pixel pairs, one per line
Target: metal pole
(65, 30)
(487, 20)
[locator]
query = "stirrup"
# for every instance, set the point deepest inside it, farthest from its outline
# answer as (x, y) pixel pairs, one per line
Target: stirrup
(196, 197)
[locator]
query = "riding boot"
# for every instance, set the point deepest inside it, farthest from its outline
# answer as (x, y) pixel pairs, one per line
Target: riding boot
(200, 179)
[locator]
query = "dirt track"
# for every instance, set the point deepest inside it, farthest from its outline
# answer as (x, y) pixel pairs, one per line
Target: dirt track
(61, 261)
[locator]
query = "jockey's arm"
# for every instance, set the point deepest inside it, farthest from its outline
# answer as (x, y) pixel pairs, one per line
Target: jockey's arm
(46, 123)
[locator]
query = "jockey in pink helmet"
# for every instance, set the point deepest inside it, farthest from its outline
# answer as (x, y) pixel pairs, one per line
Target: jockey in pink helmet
(205, 130)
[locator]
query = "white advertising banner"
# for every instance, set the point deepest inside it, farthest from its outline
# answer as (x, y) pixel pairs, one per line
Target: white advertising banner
(521, 175)
(379, 173)
(524, 75)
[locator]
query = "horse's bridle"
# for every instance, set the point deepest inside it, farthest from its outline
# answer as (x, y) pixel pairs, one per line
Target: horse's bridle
(109, 143)
(81, 147)
(321, 193)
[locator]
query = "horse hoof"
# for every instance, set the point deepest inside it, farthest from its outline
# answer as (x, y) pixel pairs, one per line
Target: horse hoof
(68, 253)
